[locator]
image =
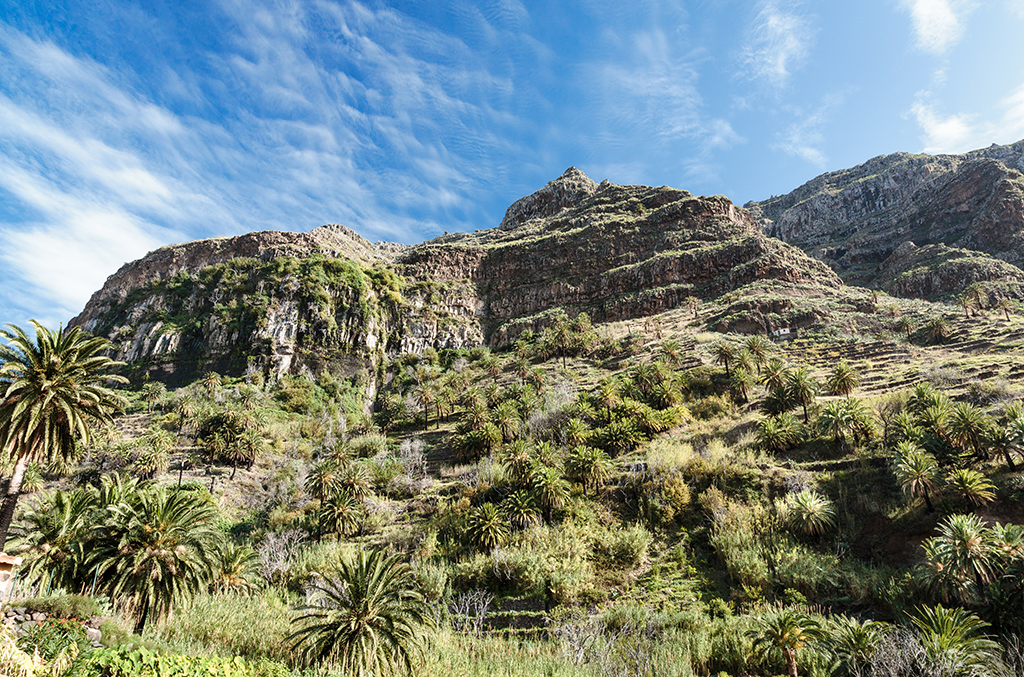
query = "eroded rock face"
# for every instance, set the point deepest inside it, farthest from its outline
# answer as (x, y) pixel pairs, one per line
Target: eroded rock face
(854, 219)
(567, 191)
(935, 270)
(281, 302)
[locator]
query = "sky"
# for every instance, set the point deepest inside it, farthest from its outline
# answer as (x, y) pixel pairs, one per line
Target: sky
(125, 126)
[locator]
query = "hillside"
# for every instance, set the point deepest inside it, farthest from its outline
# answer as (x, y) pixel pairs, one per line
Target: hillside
(559, 447)
(854, 219)
(277, 302)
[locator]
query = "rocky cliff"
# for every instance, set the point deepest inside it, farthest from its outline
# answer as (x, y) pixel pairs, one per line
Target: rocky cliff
(854, 219)
(280, 302)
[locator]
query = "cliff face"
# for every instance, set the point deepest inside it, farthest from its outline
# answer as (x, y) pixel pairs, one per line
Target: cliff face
(279, 302)
(854, 219)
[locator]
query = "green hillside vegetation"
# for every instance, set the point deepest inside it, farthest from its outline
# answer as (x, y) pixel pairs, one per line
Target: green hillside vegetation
(657, 496)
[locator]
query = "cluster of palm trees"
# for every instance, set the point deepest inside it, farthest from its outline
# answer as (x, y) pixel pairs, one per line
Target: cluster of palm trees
(339, 484)
(147, 546)
(938, 641)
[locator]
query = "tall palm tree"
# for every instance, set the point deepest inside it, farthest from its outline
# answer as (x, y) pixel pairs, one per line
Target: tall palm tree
(784, 631)
(802, 388)
(588, 466)
(1007, 305)
(53, 392)
(759, 348)
(724, 355)
(550, 490)
(773, 376)
(739, 384)
(158, 550)
(916, 471)
(367, 620)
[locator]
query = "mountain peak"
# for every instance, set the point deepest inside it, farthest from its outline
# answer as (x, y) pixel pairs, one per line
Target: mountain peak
(568, 190)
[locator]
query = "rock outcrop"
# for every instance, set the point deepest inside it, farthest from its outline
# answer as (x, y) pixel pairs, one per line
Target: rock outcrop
(854, 219)
(281, 302)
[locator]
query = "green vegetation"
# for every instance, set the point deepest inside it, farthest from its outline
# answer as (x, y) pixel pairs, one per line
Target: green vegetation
(589, 500)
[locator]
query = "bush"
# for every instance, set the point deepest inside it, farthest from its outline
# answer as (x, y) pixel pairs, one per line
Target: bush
(299, 396)
(81, 607)
(50, 637)
(714, 406)
(625, 547)
(145, 663)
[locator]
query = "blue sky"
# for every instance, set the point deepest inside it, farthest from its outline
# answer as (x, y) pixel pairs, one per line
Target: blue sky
(125, 126)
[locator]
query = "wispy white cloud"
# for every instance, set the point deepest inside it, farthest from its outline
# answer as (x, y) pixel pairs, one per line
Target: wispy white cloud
(1016, 7)
(805, 137)
(960, 132)
(778, 42)
(938, 24)
(326, 112)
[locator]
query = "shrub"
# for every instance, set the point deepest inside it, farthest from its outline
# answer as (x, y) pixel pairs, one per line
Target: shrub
(65, 606)
(51, 637)
(711, 407)
(625, 547)
(143, 662)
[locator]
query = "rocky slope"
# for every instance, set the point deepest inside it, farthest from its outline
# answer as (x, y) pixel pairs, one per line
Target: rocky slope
(280, 302)
(854, 219)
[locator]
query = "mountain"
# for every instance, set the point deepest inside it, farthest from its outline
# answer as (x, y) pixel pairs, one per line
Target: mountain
(855, 219)
(279, 302)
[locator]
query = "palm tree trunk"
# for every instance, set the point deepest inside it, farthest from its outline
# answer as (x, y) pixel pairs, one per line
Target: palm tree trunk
(790, 655)
(928, 501)
(1009, 461)
(11, 499)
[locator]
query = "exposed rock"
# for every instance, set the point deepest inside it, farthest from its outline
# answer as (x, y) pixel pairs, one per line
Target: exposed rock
(935, 270)
(281, 302)
(568, 190)
(855, 218)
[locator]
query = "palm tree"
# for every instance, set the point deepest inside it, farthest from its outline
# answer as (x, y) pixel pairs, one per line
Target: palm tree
(961, 559)
(236, 569)
(916, 471)
(835, 421)
(784, 631)
(692, 303)
(810, 513)
(759, 348)
(158, 550)
(973, 488)
(341, 513)
(50, 533)
(52, 393)
(211, 383)
(367, 620)
(152, 393)
(954, 642)
(739, 384)
(724, 354)
(852, 642)
(843, 380)
(672, 350)
(773, 376)
(966, 425)
(977, 295)
(549, 489)
(938, 329)
(778, 433)
(905, 325)
(520, 509)
(506, 417)
(485, 527)
(1007, 305)
(607, 396)
(588, 466)
(802, 388)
